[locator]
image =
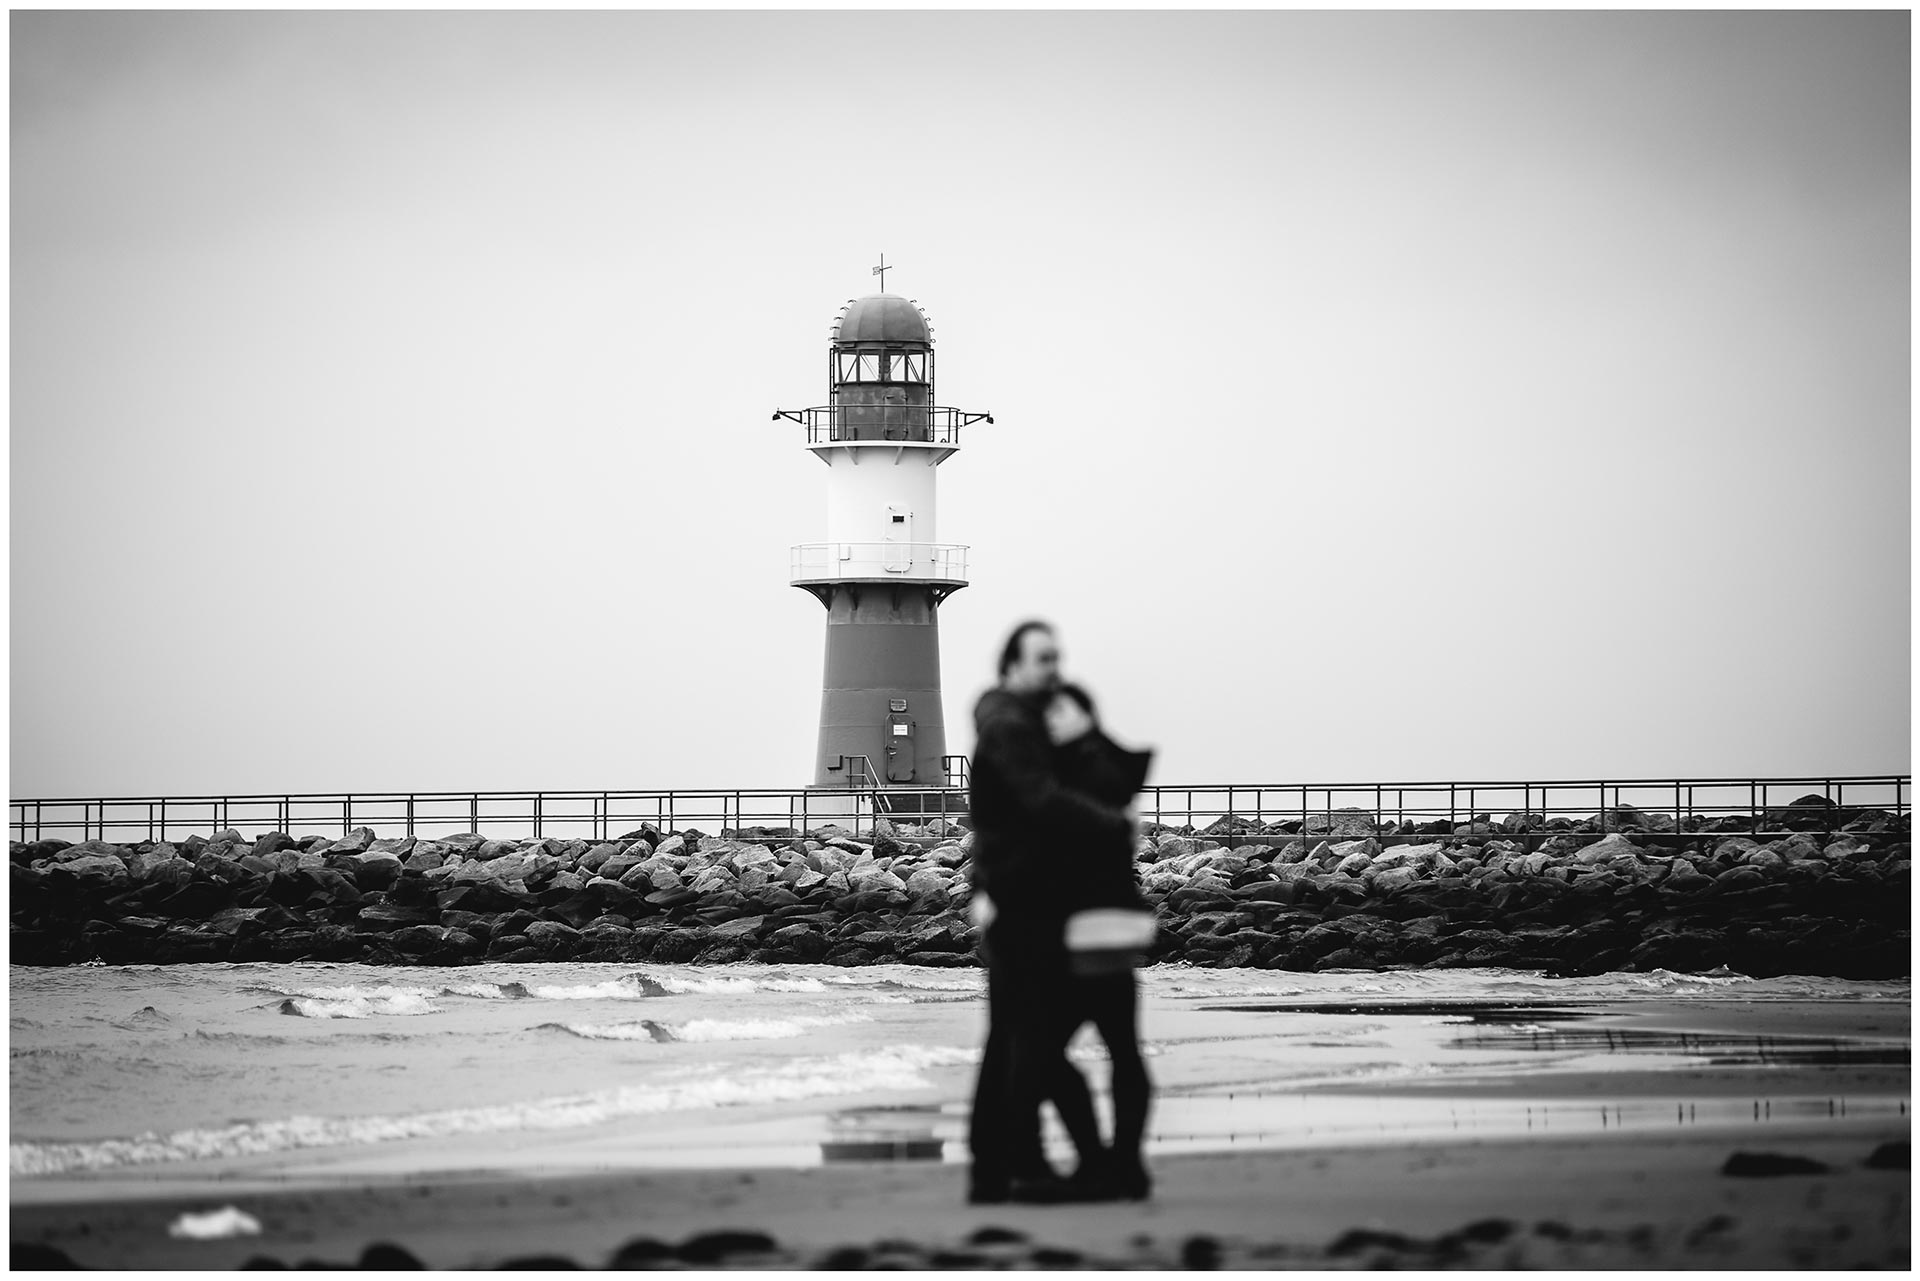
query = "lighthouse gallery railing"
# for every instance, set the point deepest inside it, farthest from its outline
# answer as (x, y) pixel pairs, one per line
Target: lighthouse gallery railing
(827, 562)
(1762, 805)
(919, 424)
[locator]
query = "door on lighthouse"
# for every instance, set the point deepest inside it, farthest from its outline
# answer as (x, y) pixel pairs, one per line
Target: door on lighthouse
(897, 554)
(899, 748)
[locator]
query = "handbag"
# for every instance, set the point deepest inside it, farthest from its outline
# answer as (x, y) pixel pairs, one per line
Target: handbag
(1109, 940)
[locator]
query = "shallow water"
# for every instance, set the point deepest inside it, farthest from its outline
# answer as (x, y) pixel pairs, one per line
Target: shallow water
(318, 1070)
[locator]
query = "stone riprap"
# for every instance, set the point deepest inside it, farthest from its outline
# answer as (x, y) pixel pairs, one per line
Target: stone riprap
(1821, 892)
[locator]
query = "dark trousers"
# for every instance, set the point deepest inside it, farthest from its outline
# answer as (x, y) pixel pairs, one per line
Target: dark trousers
(1111, 1002)
(1024, 1061)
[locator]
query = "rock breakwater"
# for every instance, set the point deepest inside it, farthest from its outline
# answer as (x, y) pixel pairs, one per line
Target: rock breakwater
(1806, 890)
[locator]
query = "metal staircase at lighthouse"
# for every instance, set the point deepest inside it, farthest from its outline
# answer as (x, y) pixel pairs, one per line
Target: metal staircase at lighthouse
(881, 572)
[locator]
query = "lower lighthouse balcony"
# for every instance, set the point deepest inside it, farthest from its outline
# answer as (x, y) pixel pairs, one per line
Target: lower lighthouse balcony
(937, 564)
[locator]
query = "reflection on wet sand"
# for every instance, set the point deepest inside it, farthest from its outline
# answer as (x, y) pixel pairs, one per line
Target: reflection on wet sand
(1717, 1049)
(1504, 1069)
(1308, 1119)
(903, 1133)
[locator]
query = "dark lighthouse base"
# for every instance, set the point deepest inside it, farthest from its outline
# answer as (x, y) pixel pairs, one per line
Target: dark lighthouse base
(881, 720)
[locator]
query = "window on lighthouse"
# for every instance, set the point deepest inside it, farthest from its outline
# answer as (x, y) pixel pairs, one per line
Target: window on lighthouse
(874, 367)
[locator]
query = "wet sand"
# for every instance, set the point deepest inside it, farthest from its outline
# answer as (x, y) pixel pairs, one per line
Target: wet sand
(1617, 1201)
(1651, 1191)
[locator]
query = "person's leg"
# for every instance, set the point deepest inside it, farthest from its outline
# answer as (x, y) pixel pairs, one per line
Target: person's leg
(986, 1123)
(1113, 1004)
(1041, 1072)
(990, 1124)
(1069, 1093)
(1030, 1003)
(1038, 1063)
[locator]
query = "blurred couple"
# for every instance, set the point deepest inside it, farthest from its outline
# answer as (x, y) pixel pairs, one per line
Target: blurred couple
(1062, 926)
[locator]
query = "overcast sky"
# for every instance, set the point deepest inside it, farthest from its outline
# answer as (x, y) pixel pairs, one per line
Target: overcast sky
(1392, 396)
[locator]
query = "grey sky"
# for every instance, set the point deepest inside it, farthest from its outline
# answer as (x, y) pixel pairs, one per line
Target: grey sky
(1378, 395)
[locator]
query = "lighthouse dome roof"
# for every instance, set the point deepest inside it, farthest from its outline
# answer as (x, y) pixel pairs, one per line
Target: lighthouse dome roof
(887, 318)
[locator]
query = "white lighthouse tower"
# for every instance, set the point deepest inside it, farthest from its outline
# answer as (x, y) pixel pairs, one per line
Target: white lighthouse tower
(881, 573)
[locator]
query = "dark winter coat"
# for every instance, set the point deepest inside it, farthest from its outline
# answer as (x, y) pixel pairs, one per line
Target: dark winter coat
(1034, 838)
(1111, 774)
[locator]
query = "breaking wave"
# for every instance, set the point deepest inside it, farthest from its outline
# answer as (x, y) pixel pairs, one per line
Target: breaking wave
(894, 1068)
(356, 1007)
(709, 1030)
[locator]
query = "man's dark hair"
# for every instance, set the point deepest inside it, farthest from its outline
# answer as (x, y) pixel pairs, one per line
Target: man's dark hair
(1011, 654)
(1079, 695)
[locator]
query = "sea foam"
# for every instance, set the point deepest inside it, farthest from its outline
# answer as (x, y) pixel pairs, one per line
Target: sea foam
(899, 1067)
(710, 1030)
(357, 1007)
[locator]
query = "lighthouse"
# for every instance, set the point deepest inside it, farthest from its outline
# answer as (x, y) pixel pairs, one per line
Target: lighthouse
(881, 573)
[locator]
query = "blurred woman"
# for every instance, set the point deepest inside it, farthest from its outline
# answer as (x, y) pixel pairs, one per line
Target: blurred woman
(1109, 933)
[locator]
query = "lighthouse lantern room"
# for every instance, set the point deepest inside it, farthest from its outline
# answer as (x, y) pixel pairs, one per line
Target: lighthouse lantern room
(880, 573)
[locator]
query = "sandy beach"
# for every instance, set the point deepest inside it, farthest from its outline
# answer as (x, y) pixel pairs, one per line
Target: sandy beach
(1618, 1201)
(1817, 1190)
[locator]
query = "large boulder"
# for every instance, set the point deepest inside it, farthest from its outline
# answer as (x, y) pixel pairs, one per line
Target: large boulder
(142, 860)
(424, 856)
(358, 841)
(1350, 858)
(175, 871)
(615, 865)
(1407, 856)
(1631, 819)
(1797, 848)
(103, 868)
(382, 918)
(949, 854)
(1566, 844)
(1608, 848)
(1347, 822)
(1391, 879)
(377, 871)
(928, 880)
(712, 880)
(208, 866)
(796, 943)
(874, 878)
(1811, 813)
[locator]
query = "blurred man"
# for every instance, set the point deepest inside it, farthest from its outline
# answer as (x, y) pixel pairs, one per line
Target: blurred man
(1025, 825)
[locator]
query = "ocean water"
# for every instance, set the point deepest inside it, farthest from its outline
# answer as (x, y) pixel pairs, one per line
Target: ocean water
(315, 1071)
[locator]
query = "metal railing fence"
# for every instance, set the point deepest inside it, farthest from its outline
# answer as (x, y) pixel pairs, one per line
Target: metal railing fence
(1759, 804)
(883, 423)
(833, 562)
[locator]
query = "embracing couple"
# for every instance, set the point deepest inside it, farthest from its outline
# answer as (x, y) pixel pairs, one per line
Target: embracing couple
(1062, 927)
